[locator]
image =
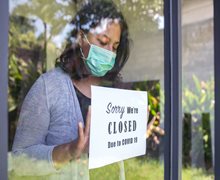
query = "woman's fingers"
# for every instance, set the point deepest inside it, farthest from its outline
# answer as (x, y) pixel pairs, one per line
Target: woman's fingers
(157, 130)
(81, 132)
(88, 120)
(154, 131)
(151, 122)
(87, 130)
(83, 139)
(77, 146)
(155, 138)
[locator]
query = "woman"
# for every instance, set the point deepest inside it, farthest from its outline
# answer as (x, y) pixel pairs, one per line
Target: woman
(50, 132)
(50, 128)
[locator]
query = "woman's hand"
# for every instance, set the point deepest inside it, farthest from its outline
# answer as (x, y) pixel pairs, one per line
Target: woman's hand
(154, 131)
(69, 151)
(81, 145)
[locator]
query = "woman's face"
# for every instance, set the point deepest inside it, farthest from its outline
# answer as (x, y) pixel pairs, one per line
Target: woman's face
(106, 35)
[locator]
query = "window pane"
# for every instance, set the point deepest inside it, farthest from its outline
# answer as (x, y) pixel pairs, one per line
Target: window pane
(39, 32)
(198, 89)
(143, 71)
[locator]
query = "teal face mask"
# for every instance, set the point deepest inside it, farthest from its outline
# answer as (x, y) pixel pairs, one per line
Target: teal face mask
(99, 60)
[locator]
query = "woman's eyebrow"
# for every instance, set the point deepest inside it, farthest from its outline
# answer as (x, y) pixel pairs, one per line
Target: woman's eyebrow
(106, 36)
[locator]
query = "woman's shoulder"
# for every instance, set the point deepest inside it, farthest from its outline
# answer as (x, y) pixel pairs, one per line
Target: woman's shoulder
(57, 86)
(56, 77)
(56, 80)
(55, 74)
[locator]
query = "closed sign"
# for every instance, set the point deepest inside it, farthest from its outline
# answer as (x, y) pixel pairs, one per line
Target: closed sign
(118, 125)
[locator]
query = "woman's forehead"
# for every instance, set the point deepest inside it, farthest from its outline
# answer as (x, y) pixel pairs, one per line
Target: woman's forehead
(103, 26)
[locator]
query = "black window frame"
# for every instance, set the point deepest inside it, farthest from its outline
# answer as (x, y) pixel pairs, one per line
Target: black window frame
(173, 97)
(216, 4)
(4, 19)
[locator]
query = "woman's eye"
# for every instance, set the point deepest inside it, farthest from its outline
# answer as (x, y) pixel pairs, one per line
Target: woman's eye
(102, 43)
(115, 49)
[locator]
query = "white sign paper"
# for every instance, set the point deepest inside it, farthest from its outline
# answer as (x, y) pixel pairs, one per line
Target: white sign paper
(118, 125)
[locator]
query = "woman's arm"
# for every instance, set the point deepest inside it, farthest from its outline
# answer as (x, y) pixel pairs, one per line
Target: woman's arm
(32, 156)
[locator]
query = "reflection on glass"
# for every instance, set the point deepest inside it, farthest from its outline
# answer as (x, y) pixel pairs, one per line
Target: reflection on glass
(198, 89)
(144, 71)
(39, 31)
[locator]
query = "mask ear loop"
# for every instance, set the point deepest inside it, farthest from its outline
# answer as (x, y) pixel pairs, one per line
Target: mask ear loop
(83, 56)
(86, 39)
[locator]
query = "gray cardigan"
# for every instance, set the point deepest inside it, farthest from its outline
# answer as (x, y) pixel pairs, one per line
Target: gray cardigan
(49, 117)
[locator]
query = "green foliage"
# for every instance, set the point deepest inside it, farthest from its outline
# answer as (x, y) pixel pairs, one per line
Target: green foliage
(24, 66)
(16, 68)
(141, 14)
(199, 98)
(134, 168)
(52, 13)
(198, 109)
(21, 33)
(196, 174)
(146, 169)
(153, 89)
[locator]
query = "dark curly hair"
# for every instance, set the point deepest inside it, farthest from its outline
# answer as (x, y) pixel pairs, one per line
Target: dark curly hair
(90, 16)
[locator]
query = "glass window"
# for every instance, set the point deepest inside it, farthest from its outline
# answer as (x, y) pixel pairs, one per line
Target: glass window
(39, 32)
(198, 89)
